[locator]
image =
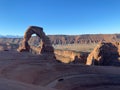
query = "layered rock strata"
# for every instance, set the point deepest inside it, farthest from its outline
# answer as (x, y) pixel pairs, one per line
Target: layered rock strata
(105, 53)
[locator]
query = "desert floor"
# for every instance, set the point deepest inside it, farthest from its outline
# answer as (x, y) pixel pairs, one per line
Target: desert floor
(25, 71)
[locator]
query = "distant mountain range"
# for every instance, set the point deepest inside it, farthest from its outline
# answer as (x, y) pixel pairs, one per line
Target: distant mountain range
(10, 36)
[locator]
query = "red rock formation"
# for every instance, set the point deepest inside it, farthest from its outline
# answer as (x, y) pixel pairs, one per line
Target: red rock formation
(83, 39)
(70, 39)
(46, 44)
(105, 54)
(68, 56)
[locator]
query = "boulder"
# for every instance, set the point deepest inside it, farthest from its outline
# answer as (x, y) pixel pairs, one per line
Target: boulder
(105, 53)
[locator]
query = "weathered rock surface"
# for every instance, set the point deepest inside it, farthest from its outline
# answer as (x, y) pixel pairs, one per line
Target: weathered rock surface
(25, 71)
(68, 56)
(46, 45)
(6, 84)
(70, 39)
(105, 53)
(83, 39)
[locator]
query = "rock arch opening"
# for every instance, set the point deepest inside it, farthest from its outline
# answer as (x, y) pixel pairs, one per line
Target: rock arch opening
(34, 40)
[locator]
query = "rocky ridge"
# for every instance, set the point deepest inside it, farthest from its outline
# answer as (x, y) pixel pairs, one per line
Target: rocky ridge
(65, 56)
(70, 39)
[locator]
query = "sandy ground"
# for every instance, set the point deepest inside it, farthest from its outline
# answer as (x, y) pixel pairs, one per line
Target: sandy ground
(24, 71)
(6, 84)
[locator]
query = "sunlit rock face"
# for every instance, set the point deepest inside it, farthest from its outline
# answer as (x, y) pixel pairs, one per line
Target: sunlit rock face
(68, 56)
(105, 53)
(45, 44)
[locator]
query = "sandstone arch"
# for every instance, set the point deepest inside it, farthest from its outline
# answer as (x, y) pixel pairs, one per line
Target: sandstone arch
(46, 46)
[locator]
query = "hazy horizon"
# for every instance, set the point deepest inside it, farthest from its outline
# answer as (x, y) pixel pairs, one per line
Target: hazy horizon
(67, 17)
(62, 34)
